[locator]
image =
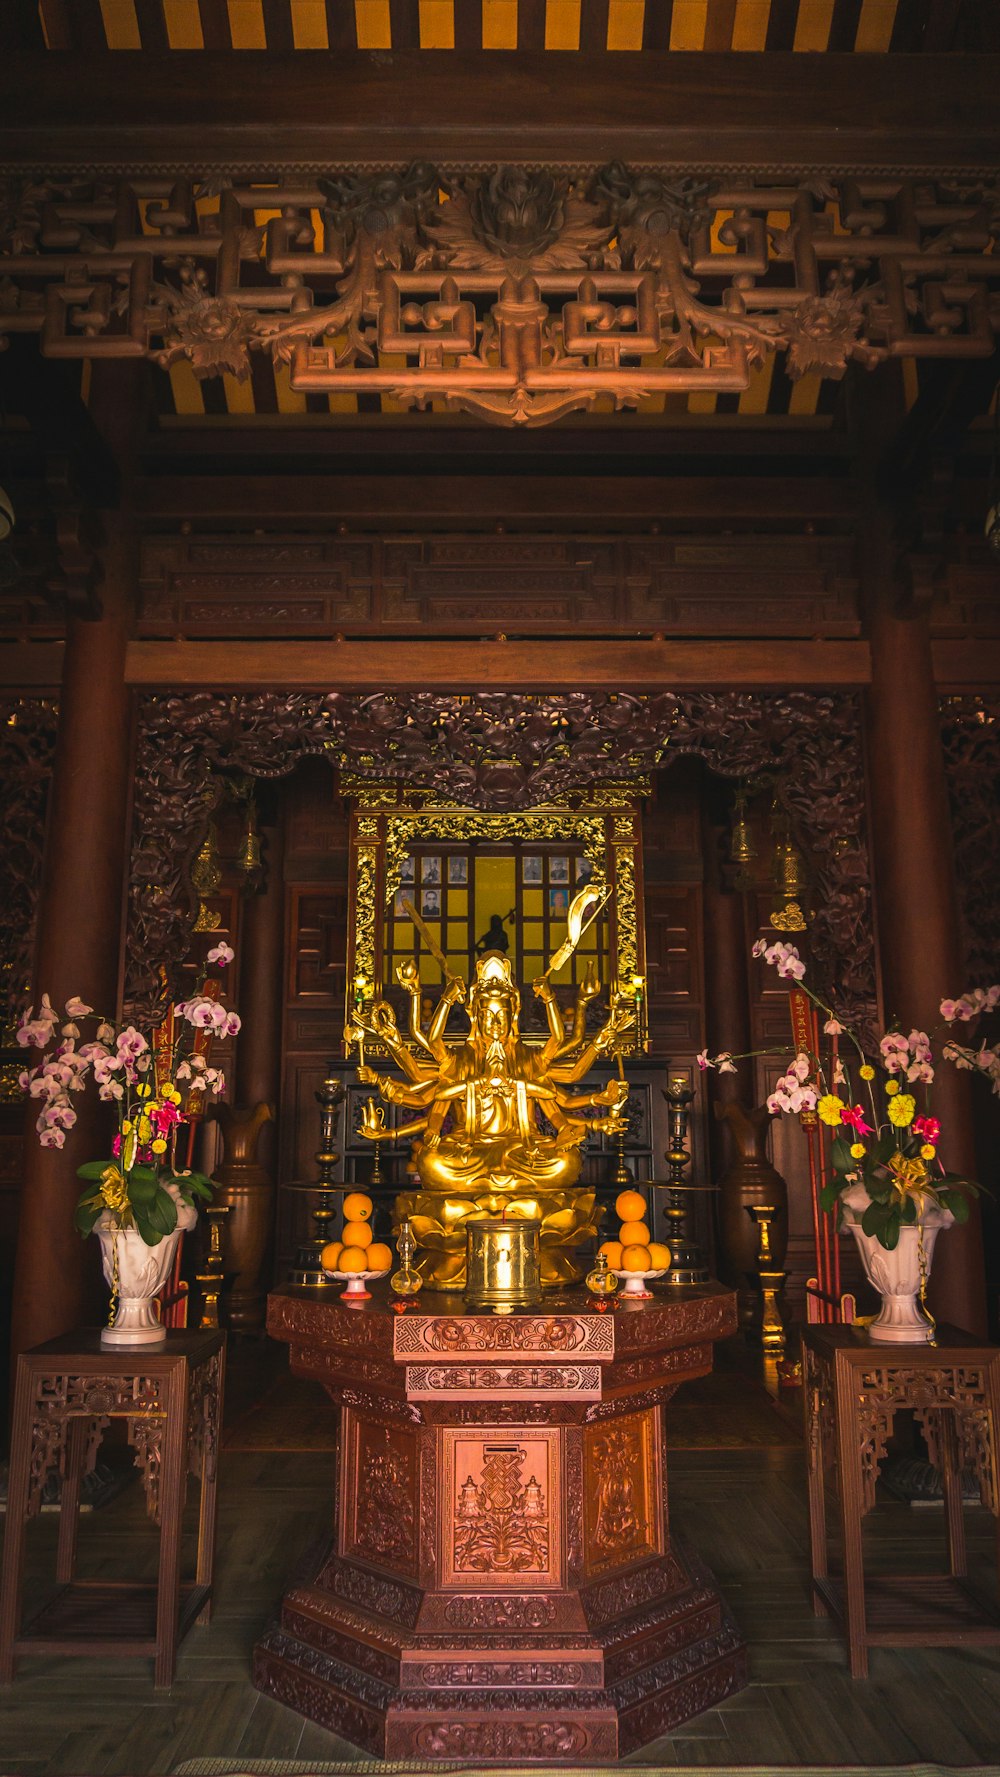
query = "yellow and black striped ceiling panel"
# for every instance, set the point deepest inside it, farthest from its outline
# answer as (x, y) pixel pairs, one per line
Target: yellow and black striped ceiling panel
(865, 26)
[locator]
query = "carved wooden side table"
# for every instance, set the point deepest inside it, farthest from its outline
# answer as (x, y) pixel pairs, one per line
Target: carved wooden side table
(66, 1393)
(852, 1389)
(503, 1583)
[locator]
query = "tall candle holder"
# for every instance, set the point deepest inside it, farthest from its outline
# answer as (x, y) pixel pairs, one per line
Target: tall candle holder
(769, 1280)
(687, 1264)
(307, 1270)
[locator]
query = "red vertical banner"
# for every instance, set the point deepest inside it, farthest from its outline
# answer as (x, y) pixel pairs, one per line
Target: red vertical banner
(805, 1036)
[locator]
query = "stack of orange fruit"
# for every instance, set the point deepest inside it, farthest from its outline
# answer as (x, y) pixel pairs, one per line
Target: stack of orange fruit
(357, 1251)
(634, 1250)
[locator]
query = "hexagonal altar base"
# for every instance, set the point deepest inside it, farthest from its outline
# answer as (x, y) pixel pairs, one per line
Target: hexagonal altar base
(503, 1584)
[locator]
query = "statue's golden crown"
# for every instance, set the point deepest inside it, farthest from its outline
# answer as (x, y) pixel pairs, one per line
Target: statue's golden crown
(493, 979)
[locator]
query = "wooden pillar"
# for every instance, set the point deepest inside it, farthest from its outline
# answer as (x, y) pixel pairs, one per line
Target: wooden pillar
(81, 903)
(915, 888)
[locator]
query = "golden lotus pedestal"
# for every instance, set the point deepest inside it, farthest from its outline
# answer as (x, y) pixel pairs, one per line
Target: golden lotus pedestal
(502, 1582)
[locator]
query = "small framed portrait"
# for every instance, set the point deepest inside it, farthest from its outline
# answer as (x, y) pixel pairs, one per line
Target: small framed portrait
(558, 869)
(401, 895)
(408, 871)
(430, 903)
(430, 869)
(531, 869)
(558, 903)
(458, 871)
(584, 869)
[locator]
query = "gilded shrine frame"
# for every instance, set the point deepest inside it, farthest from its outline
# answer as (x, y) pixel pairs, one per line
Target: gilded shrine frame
(384, 827)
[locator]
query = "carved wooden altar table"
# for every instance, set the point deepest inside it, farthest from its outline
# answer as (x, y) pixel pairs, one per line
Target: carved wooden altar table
(852, 1390)
(502, 1582)
(65, 1395)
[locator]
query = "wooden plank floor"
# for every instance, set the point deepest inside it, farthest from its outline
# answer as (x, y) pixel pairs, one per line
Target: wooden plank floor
(744, 1510)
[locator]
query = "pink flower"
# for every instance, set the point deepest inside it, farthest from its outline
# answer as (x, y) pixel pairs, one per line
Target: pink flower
(222, 954)
(801, 1067)
(52, 1138)
(833, 1028)
(203, 1013)
(33, 1033)
(856, 1118)
(131, 1043)
(105, 1033)
(75, 1008)
(928, 1127)
(182, 1071)
(760, 948)
(920, 1070)
(70, 1030)
(233, 1023)
(702, 1060)
(111, 1089)
(726, 1064)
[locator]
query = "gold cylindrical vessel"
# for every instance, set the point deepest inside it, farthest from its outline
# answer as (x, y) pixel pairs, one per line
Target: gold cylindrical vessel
(503, 1263)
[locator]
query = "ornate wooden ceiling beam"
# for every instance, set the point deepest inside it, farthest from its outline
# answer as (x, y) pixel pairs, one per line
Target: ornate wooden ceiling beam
(426, 500)
(517, 295)
(765, 111)
(640, 665)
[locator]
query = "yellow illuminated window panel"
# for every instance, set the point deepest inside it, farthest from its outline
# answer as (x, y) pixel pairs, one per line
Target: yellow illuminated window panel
(121, 27)
(183, 21)
(373, 24)
(499, 24)
(812, 28)
(750, 24)
(875, 25)
(188, 397)
(625, 22)
(687, 24)
(562, 24)
(437, 24)
(239, 396)
(309, 24)
(246, 24)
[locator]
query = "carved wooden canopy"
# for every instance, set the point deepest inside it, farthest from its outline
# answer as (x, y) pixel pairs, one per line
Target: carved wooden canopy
(515, 293)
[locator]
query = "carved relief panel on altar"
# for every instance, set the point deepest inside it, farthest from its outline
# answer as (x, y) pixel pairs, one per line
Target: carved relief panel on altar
(621, 1518)
(380, 1493)
(501, 1509)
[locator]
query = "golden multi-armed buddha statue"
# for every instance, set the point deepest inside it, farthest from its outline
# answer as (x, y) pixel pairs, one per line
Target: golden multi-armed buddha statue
(480, 1147)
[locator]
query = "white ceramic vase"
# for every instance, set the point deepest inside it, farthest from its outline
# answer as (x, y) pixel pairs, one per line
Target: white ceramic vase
(142, 1272)
(896, 1274)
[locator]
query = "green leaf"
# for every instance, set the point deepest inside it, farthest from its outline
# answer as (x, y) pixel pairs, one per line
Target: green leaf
(161, 1214)
(94, 1169)
(890, 1236)
(829, 1194)
(956, 1202)
(152, 1236)
(841, 1152)
(141, 1190)
(86, 1214)
(908, 1209)
(875, 1219)
(145, 1174)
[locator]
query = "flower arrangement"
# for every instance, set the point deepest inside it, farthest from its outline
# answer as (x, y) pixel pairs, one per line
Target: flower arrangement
(877, 1106)
(158, 1085)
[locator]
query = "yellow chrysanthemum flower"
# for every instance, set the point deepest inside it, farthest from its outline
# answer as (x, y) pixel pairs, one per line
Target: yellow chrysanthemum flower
(858, 1150)
(928, 1151)
(145, 1128)
(143, 1090)
(159, 1146)
(830, 1108)
(126, 1125)
(902, 1110)
(171, 1093)
(866, 1071)
(891, 1086)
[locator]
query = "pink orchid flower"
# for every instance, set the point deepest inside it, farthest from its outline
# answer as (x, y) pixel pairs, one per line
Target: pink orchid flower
(222, 954)
(77, 1008)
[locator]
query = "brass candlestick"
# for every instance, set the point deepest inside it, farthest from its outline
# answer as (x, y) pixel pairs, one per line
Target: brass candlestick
(307, 1271)
(687, 1264)
(212, 1276)
(769, 1280)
